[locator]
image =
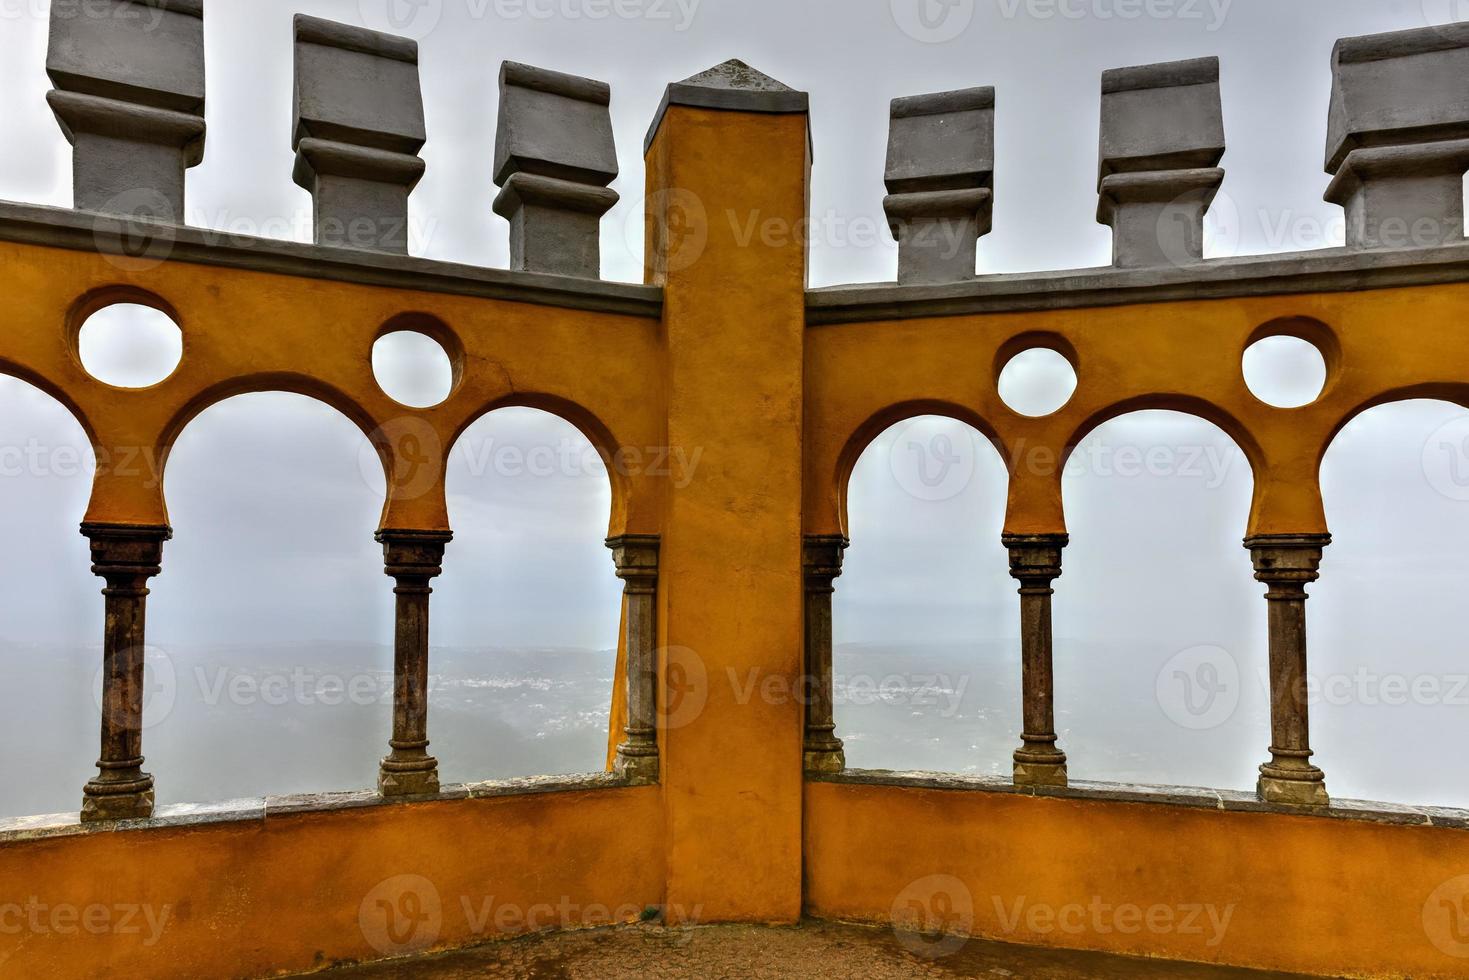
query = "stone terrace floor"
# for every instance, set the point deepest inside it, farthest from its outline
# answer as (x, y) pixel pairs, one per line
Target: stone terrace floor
(812, 950)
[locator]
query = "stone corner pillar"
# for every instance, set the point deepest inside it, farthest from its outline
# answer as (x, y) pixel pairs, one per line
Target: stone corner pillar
(412, 559)
(732, 143)
(1285, 564)
(636, 558)
(129, 95)
(1397, 143)
(126, 556)
(940, 182)
(823, 751)
(357, 144)
(1162, 137)
(1035, 562)
(554, 157)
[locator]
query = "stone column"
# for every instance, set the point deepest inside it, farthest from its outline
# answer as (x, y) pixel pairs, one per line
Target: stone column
(823, 563)
(126, 557)
(413, 559)
(636, 557)
(1286, 564)
(1035, 562)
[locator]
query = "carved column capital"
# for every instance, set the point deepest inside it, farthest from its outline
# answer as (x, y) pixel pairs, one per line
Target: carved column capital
(1035, 558)
(1287, 560)
(413, 557)
(126, 553)
(636, 558)
(821, 560)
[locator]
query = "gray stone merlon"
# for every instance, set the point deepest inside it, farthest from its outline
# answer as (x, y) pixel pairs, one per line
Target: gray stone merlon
(357, 130)
(1161, 117)
(129, 96)
(1162, 134)
(940, 182)
(732, 85)
(554, 157)
(1400, 87)
(1398, 136)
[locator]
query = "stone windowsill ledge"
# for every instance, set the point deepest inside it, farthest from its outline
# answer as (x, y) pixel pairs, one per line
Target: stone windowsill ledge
(264, 809)
(1189, 796)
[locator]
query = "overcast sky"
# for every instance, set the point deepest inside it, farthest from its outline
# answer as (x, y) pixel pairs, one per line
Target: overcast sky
(274, 516)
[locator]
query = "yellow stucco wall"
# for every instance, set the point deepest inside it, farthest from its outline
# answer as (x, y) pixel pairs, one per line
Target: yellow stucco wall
(1301, 893)
(296, 893)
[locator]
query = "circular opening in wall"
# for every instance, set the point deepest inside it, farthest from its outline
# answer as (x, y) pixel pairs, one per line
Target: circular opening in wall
(1037, 382)
(1283, 371)
(130, 346)
(412, 368)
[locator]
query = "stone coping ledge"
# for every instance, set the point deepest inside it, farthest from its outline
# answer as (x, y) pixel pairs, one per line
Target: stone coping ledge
(1189, 796)
(1331, 270)
(141, 242)
(263, 809)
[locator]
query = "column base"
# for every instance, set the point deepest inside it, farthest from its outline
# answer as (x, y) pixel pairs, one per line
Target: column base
(1299, 788)
(1032, 773)
(637, 769)
(418, 777)
(824, 759)
(110, 800)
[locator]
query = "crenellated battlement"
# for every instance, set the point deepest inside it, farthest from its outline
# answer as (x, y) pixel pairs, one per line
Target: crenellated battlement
(716, 806)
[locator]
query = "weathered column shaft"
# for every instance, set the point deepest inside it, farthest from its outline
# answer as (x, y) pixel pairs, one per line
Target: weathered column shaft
(636, 557)
(412, 559)
(125, 556)
(1286, 564)
(1035, 562)
(823, 561)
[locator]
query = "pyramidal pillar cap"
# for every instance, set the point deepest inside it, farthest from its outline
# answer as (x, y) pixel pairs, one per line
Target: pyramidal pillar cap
(734, 86)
